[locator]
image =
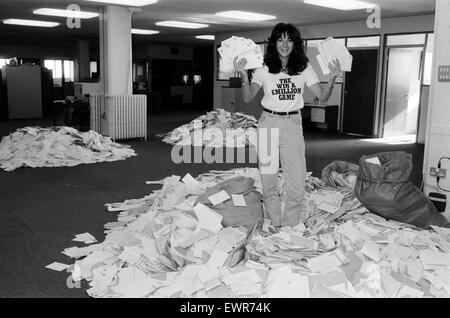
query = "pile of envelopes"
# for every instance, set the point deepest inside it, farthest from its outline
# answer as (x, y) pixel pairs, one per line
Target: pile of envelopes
(57, 147)
(164, 246)
(241, 48)
(330, 49)
(218, 128)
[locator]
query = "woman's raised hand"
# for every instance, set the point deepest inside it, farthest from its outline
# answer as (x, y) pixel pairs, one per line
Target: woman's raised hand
(335, 68)
(239, 65)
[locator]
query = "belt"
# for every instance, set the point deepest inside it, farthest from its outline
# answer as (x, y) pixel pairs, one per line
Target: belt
(298, 111)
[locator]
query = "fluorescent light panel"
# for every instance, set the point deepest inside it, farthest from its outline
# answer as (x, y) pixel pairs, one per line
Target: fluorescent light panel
(66, 13)
(245, 15)
(36, 23)
(205, 37)
(345, 5)
(144, 32)
(130, 3)
(184, 25)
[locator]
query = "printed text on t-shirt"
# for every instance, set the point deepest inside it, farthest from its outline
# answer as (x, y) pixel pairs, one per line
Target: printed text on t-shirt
(286, 90)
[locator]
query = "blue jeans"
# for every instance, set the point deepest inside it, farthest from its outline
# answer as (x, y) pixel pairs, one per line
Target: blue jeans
(290, 145)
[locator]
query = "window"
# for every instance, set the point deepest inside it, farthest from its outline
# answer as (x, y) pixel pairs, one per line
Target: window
(366, 41)
(68, 71)
(61, 70)
(315, 43)
(406, 39)
(197, 79)
(428, 60)
(3, 62)
(56, 67)
(93, 68)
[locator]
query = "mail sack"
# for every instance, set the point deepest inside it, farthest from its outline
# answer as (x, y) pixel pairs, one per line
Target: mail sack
(383, 186)
(233, 215)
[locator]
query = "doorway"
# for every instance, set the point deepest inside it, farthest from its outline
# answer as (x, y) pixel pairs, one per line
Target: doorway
(171, 83)
(360, 93)
(401, 115)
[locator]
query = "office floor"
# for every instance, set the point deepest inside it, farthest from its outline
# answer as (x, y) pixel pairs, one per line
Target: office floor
(43, 208)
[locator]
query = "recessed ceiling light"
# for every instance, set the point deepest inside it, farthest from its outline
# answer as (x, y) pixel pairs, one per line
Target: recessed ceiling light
(245, 15)
(206, 37)
(346, 5)
(66, 13)
(184, 25)
(144, 32)
(44, 24)
(130, 3)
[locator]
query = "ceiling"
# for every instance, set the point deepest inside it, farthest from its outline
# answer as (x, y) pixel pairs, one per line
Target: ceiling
(202, 11)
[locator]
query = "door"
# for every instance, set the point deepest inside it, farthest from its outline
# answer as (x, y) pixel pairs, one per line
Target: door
(168, 76)
(402, 91)
(360, 91)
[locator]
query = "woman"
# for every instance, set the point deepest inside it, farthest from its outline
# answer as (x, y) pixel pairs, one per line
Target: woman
(283, 77)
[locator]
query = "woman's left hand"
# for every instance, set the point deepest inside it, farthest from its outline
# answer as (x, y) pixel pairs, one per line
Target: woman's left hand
(335, 68)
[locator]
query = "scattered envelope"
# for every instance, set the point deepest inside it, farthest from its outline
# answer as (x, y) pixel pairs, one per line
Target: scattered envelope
(328, 207)
(374, 160)
(219, 197)
(324, 264)
(217, 259)
(238, 200)
(85, 237)
(188, 179)
(59, 267)
(372, 250)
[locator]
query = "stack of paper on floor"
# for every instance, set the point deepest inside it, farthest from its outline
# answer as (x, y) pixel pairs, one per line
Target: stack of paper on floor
(241, 48)
(57, 147)
(331, 49)
(164, 246)
(217, 129)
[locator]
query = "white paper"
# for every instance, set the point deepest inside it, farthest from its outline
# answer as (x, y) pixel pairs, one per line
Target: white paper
(374, 160)
(434, 258)
(238, 200)
(85, 237)
(372, 250)
(219, 197)
(188, 179)
(59, 267)
(324, 264)
(217, 259)
(331, 49)
(241, 48)
(407, 291)
(325, 206)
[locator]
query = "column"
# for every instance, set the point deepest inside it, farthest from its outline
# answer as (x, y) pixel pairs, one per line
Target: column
(82, 61)
(115, 50)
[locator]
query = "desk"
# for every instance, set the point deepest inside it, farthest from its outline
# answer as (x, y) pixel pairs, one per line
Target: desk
(323, 116)
(76, 112)
(232, 101)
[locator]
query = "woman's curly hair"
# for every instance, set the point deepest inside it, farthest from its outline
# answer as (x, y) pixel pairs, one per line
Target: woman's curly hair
(297, 60)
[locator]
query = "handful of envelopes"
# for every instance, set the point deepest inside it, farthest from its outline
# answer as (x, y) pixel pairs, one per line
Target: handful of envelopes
(331, 49)
(241, 48)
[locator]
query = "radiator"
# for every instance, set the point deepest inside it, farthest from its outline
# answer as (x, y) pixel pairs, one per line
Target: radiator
(120, 117)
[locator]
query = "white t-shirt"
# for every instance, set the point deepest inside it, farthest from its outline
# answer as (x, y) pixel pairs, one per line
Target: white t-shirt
(283, 92)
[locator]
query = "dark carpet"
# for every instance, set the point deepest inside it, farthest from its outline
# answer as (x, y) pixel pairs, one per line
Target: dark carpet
(43, 208)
